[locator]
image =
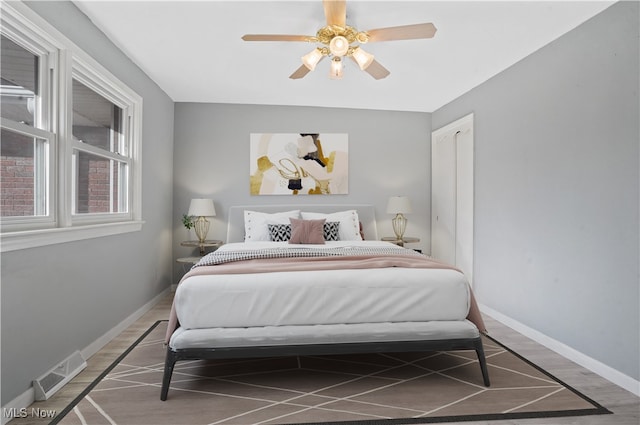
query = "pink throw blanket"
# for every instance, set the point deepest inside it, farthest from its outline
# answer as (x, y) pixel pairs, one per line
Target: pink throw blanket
(323, 263)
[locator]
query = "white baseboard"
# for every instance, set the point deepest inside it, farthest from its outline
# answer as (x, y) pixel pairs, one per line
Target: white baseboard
(18, 406)
(618, 378)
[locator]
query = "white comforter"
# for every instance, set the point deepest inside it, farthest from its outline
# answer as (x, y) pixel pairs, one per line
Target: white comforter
(321, 297)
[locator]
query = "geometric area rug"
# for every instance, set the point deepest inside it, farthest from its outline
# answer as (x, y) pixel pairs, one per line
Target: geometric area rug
(361, 389)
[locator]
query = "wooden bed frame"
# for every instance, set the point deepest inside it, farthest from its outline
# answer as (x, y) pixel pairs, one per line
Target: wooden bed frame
(366, 214)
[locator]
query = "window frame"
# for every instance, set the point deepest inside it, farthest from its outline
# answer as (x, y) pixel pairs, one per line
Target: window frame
(65, 62)
(114, 92)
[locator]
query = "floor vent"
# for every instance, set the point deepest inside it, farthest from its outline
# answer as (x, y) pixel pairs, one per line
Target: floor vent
(46, 385)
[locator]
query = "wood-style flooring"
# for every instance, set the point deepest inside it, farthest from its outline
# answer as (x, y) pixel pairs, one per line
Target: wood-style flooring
(624, 405)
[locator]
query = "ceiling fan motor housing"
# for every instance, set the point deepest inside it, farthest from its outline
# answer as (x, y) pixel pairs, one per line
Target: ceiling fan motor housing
(339, 39)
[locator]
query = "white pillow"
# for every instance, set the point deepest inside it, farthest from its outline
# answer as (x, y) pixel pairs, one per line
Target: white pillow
(349, 223)
(255, 223)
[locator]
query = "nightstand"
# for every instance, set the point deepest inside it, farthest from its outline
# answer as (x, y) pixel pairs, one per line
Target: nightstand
(400, 242)
(214, 243)
(188, 260)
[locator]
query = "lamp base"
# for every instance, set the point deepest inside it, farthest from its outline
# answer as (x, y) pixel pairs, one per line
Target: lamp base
(201, 226)
(399, 223)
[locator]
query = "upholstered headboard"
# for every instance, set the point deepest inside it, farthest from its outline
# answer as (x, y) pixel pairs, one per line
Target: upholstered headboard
(366, 214)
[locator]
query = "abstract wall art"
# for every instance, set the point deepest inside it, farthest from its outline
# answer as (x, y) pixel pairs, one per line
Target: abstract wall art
(299, 164)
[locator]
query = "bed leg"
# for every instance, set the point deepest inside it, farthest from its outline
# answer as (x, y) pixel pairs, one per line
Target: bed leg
(483, 362)
(169, 363)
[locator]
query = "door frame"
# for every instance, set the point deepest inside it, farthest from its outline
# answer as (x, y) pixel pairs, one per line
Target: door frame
(465, 209)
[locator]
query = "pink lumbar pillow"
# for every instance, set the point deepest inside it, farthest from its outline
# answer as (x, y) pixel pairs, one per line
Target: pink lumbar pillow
(307, 231)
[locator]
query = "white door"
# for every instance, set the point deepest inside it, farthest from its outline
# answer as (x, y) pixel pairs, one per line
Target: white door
(452, 194)
(443, 198)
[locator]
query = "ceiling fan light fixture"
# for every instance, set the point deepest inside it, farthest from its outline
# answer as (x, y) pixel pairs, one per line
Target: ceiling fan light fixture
(311, 59)
(339, 46)
(364, 59)
(336, 69)
(337, 40)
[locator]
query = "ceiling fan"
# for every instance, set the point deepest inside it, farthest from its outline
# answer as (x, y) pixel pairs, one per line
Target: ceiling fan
(339, 40)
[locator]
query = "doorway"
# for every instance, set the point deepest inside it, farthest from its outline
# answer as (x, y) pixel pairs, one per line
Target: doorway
(452, 194)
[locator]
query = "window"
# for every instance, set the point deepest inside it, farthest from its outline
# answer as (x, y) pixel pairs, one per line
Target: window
(20, 75)
(101, 158)
(70, 139)
(25, 139)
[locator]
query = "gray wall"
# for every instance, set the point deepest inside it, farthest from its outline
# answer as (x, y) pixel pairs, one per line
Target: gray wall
(389, 154)
(556, 179)
(60, 298)
(556, 207)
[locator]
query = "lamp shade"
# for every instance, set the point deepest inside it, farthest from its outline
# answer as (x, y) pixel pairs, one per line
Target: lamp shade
(311, 59)
(364, 59)
(200, 207)
(335, 72)
(339, 46)
(398, 204)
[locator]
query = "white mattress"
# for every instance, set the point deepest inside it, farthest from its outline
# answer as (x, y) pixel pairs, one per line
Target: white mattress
(321, 297)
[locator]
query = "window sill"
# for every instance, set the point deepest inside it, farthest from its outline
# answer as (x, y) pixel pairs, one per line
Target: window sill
(35, 238)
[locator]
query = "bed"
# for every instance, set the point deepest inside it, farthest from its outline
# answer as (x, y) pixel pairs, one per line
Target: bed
(260, 295)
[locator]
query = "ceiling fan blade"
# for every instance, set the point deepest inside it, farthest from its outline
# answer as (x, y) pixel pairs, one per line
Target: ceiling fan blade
(404, 32)
(277, 37)
(336, 12)
(377, 71)
(299, 73)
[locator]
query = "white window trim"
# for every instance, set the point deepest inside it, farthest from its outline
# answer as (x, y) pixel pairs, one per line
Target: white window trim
(35, 238)
(97, 79)
(67, 228)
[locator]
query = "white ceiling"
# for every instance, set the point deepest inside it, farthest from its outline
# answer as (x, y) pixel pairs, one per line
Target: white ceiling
(194, 52)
